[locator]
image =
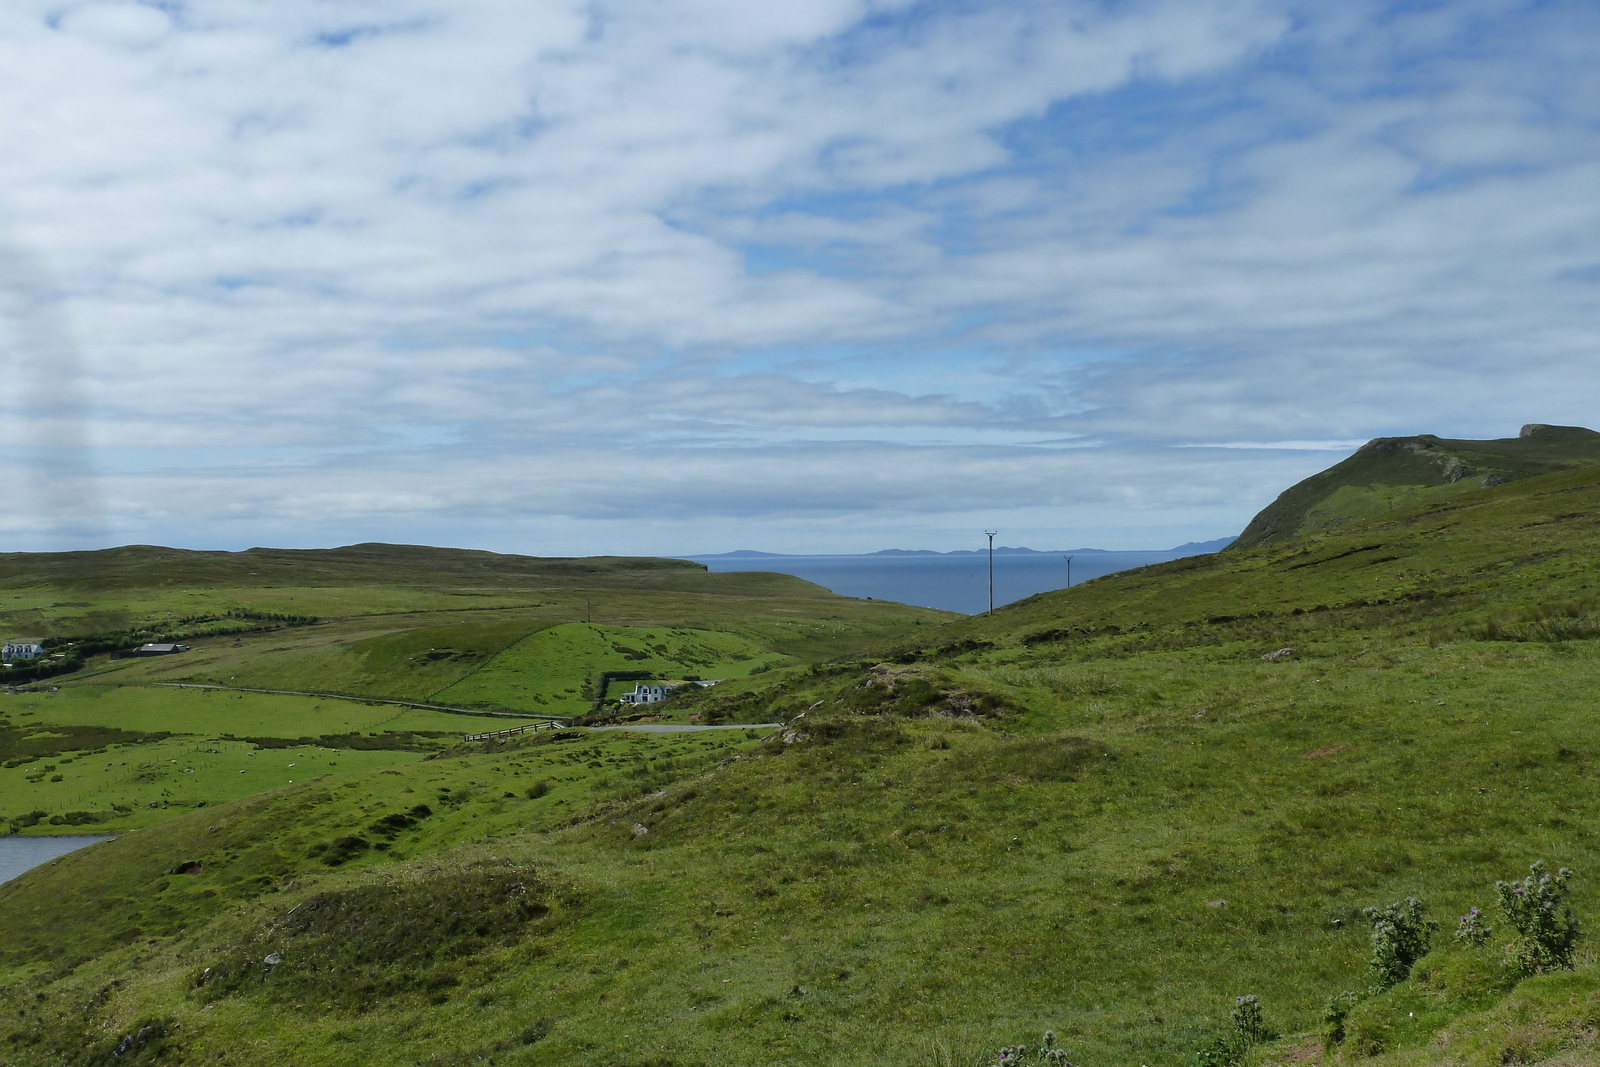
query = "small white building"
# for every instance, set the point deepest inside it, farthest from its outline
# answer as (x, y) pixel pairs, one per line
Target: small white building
(15, 650)
(647, 694)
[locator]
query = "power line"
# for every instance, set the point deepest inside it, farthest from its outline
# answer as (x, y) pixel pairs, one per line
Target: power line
(991, 534)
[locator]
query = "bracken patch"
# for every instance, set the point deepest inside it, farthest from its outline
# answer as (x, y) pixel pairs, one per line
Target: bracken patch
(349, 947)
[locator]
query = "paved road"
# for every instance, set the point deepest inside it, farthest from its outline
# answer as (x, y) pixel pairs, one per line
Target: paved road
(680, 728)
(644, 727)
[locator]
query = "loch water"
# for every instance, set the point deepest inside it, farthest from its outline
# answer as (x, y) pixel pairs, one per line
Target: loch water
(20, 854)
(937, 580)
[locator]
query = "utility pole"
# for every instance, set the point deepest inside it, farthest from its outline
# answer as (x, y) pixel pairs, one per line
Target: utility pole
(991, 534)
(1069, 570)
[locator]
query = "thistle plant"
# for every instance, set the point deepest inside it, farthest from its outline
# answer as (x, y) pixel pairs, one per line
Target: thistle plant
(1048, 1051)
(1471, 929)
(1536, 907)
(1249, 1027)
(1248, 1023)
(1045, 1052)
(1401, 935)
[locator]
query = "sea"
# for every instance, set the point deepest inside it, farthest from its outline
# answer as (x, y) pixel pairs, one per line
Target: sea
(19, 854)
(952, 581)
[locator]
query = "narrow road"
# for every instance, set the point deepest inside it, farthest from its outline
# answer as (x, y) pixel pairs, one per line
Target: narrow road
(643, 727)
(679, 728)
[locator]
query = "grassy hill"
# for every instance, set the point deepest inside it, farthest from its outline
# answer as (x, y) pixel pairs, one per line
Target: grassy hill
(1394, 472)
(118, 747)
(150, 566)
(1099, 811)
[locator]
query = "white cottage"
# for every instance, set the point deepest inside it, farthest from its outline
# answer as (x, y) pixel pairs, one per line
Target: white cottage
(15, 650)
(647, 694)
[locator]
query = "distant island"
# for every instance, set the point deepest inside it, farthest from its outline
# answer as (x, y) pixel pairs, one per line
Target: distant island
(1192, 548)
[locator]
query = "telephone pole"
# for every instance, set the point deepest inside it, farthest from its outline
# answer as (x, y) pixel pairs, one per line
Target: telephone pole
(991, 534)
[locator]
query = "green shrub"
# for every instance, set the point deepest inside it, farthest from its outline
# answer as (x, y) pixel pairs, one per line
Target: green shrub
(32, 818)
(345, 848)
(80, 818)
(1045, 1052)
(1536, 907)
(1401, 935)
(1248, 1022)
(1247, 1028)
(1471, 930)
(395, 822)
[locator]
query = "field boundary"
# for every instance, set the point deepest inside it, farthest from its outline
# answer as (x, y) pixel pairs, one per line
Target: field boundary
(361, 699)
(513, 731)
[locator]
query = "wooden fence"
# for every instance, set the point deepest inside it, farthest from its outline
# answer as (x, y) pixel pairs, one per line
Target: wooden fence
(515, 730)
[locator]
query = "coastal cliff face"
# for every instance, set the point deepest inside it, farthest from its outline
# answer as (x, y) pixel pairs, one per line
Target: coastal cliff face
(1395, 472)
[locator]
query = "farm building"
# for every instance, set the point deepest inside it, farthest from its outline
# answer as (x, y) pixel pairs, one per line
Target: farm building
(159, 648)
(647, 694)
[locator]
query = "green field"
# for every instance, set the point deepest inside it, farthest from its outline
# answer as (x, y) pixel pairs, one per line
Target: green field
(551, 671)
(176, 774)
(106, 746)
(1099, 811)
(215, 713)
(390, 622)
(407, 624)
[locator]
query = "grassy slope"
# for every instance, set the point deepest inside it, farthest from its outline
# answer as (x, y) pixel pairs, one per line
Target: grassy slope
(384, 608)
(396, 622)
(117, 776)
(1393, 472)
(381, 641)
(1143, 820)
(547, 671)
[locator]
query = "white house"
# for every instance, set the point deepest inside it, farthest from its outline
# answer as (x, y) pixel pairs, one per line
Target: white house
(646, 694)
(15, 650)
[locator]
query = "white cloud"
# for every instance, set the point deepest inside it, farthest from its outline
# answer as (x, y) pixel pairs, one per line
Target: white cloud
(117, 25)
(313, 252)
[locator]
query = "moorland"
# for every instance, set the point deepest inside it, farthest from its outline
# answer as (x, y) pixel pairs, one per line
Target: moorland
(1109, 811)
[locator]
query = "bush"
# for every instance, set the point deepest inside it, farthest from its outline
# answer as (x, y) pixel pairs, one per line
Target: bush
(1401, 935)
(32, 818)
(1536, 907)
(1470, 929)
(1248, 1027)
(344, 849)
(1248, 1022)
(1045, 1052)
(80, 818)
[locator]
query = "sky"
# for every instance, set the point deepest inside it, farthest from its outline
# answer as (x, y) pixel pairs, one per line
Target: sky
(661, 277)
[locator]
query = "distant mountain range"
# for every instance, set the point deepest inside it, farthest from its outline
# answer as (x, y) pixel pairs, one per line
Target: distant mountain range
(1193, 548)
